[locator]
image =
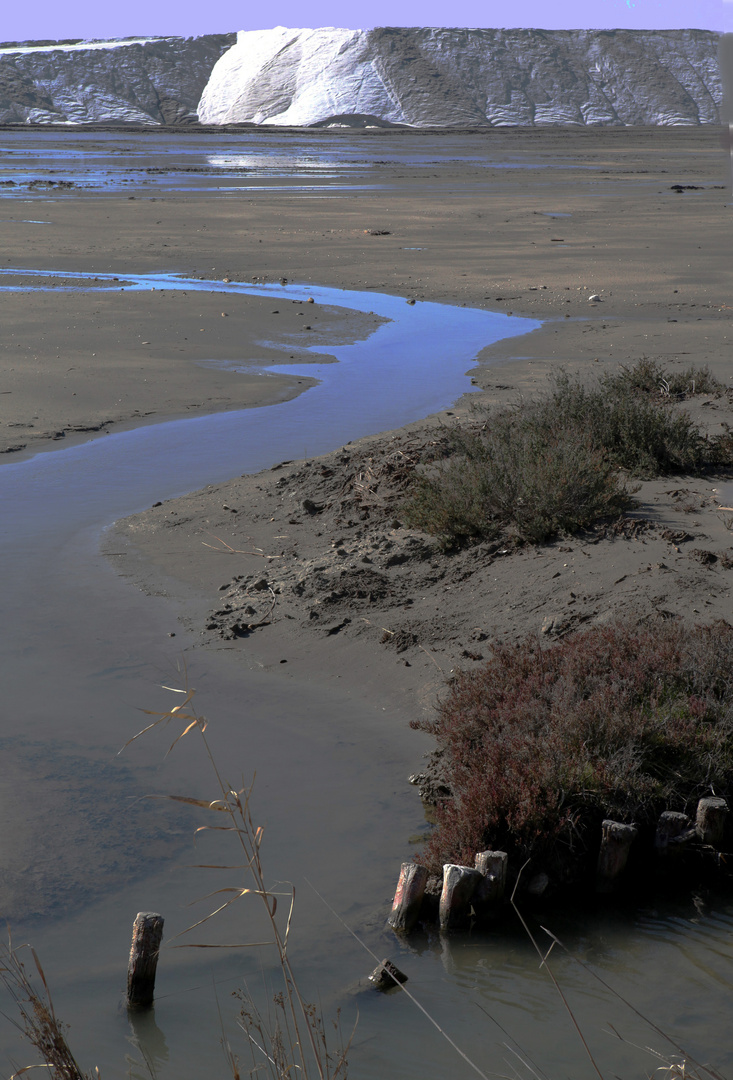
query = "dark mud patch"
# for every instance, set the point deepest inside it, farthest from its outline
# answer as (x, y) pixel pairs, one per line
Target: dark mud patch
(74, 826)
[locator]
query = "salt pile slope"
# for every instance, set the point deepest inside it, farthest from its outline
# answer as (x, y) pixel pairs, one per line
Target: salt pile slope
(144, 81)
(466, 78)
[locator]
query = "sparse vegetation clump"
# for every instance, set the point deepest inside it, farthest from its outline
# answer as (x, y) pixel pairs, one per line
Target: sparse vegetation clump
(649, 377)
(511, 472)
(559, 463)
(541, 743)
(36, 1018)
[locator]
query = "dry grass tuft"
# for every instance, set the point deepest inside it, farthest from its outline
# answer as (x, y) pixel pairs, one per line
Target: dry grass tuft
(648, 377)
(37, 1018)
(270, 1038)
(676, 1062)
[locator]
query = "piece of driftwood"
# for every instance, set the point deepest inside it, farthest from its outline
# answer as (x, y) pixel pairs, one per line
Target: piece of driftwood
(408, 897)
(670, 826)
(386, 976)
(616, 840)
(147, 933)
(711, 820)
(489, 893)
(459, 883)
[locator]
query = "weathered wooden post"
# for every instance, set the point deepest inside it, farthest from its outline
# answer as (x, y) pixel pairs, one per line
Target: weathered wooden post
(147, 933)
(489, 893)
(387, 975)
(711, 820)
(671, 824)
(459, 883)
(616, 839)
(408, 897)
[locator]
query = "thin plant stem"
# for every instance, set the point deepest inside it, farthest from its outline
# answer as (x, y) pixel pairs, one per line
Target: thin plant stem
(303, 1029)
(543, 963)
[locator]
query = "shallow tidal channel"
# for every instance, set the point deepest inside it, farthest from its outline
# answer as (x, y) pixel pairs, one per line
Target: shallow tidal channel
(82, 652)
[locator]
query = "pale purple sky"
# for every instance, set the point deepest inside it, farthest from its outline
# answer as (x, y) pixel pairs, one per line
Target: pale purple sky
(123, 18)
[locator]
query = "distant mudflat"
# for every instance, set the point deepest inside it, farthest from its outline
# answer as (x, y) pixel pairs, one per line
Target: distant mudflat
(455, 218)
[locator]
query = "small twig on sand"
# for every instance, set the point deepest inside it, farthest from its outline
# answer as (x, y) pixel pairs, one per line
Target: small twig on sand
(266, 619)
(227, 549)
(432, 658)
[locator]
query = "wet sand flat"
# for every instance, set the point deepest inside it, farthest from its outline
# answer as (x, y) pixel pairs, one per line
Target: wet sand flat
(455, 231)
(532, 223)
(449, 230)
(79, 362)
(606, 220)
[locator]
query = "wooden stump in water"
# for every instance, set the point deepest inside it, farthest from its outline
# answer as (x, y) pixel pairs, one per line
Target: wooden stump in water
(671, 825)
(489, 893)
(147, 933)
(459, 883)
(408, 897)
(616, 840)
(712, 814)
(387, 975)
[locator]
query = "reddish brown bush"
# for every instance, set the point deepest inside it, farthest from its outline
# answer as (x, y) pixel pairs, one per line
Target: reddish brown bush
(542, 742)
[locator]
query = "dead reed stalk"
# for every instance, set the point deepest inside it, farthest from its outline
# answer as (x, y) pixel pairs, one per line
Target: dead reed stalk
(293, 1039)
(37, 1020)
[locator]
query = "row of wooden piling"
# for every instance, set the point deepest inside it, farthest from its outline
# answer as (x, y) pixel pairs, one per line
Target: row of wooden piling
(478, 891)
(479, 888)
(675, 834)
(468, 891)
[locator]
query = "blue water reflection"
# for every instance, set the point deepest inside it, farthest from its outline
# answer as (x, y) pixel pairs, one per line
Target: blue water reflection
(415, 363)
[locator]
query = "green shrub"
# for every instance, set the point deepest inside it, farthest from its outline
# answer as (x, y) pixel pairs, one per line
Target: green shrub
(541, 743)
(648, 377)
(552, 465)
(631, 431)
(512, 473)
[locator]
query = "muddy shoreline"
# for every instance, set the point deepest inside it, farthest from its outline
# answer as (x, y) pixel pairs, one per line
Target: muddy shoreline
(309, 565)
(652, 255)
(468, 220)
(598, 213)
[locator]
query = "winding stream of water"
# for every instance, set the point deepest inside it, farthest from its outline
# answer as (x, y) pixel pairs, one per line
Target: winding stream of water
(82, 649)
(81, 639)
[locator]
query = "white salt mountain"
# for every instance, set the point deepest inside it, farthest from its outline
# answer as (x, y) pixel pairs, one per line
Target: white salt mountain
(148, 81)
(466, 78)
(416, 77)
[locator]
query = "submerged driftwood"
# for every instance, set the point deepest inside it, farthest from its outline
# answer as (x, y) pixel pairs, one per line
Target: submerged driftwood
(386, 976)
